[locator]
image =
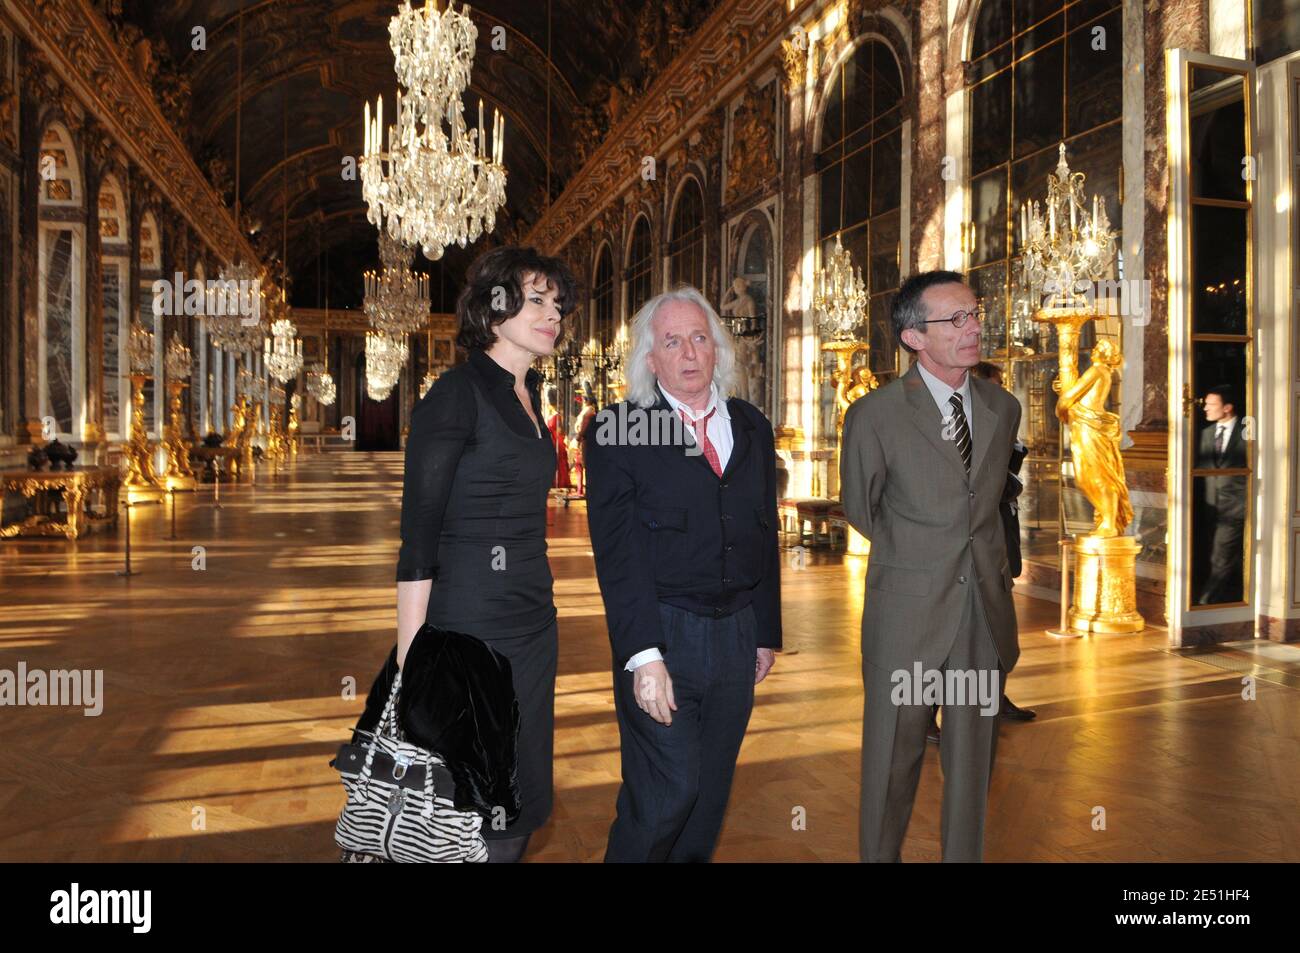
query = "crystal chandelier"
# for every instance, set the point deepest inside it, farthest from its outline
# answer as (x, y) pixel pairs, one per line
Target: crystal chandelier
(839, 295)
(432, 187)
(397, 298)
(235, 305)
(1065, 251)
(320, 384)
(385, 357)
(283, 351)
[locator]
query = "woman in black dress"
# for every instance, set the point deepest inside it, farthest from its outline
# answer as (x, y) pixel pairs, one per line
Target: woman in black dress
(479, 465)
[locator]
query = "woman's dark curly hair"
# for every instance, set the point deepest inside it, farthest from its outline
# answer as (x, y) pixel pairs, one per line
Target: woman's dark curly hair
(496, 278)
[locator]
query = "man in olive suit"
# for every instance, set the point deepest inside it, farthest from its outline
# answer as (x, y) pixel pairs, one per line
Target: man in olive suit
(923, 468)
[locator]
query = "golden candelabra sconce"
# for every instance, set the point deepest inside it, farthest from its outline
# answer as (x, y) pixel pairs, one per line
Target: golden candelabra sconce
(1065, 253)
(276, 449)
(839, 300)
(243, 426)
(178, 474)
(141, 479)
(293, 426)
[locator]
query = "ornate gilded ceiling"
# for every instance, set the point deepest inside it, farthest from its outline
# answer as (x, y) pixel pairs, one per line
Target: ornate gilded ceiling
(318, 60)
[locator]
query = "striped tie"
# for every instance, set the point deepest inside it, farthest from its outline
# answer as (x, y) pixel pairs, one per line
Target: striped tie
(962, 433)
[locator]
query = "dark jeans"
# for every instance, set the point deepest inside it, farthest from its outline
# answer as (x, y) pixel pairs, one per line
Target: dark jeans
(677, 778)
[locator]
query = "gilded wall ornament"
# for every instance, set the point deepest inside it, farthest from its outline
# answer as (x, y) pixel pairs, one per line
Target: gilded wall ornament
(751, 162)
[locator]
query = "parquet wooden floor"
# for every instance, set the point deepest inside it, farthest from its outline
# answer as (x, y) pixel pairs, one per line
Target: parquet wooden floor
(224, 702)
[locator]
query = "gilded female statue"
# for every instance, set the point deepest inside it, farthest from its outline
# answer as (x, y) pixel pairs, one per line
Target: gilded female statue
(1094, 441)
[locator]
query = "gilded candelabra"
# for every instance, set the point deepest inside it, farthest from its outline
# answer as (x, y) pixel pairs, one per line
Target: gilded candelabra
(293, 426)
(276, 451)
(839, 301)
(242, 428)
(178, 475)
(141, 478)
(1064, 255)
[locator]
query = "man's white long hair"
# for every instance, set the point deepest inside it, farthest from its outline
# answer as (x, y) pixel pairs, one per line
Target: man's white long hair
(640, 379)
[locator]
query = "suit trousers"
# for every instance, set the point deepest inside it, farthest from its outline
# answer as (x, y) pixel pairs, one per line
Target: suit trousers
(1226, 555)
(677, 778)
(893, 748)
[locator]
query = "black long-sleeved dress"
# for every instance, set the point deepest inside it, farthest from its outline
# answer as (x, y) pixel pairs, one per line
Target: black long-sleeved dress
(474, 521)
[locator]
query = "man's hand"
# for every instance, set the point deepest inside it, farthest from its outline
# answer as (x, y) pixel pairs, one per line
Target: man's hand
(653, 689)
(763, 664)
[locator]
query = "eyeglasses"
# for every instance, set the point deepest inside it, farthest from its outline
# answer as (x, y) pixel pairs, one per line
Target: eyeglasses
(959, 318)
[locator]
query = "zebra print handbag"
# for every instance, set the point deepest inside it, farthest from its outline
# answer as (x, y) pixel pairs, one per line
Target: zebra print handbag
(394, 810)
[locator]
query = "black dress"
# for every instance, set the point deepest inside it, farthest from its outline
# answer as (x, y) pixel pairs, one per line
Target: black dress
(474, 521)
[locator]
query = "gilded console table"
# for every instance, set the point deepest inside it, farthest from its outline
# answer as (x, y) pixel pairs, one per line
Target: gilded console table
(75, 485)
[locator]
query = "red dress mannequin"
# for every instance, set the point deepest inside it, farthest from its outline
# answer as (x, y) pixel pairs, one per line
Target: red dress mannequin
(580, 426)
(556, 427)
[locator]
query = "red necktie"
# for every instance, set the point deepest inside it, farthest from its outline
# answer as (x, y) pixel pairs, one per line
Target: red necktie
(702, 437)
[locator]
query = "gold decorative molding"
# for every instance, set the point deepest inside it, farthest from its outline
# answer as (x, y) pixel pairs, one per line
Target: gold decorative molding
(1150, 450)
(356, 322)
(752, 160)
(734, 41)
(74, 39)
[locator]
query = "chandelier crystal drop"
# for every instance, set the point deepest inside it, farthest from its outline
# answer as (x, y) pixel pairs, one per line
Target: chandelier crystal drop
(839, 295)
(1065, 247)
(431, 186)
(385, 357)
(283, 351)
(397, 298)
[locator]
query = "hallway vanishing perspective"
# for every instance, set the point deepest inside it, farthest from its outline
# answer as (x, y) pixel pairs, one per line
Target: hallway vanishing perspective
(223, 703)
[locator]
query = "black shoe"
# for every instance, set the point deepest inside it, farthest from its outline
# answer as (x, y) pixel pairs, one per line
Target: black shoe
(1013, 712)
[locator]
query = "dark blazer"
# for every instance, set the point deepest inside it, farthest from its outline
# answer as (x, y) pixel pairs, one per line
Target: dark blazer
(1226, 494)
(935, 530)
(1010, 510)
(665, 528)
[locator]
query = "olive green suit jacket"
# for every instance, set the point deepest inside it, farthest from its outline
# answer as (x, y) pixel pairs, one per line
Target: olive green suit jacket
(935, 532)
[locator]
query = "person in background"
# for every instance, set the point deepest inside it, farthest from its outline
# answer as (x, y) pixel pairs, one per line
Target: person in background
(1223, 447)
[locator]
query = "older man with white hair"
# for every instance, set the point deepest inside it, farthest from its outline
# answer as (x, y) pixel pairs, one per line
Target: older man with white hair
(684, 535)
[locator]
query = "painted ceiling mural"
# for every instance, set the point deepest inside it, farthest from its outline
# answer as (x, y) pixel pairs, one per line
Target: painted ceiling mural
(317, 61)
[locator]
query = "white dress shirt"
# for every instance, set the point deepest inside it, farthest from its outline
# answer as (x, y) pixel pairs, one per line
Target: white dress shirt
(719, 431)
(719, 426)
(941, 393)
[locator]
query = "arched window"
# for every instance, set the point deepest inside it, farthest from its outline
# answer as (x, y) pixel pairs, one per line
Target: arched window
(686, 237)
(859, 164)
(61, 296)
(150, 266)
(640, 261)
(1063, 86)
(115, 249)
(1276, 25)
(1039, 74)
(602, 308)
(602, 295)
